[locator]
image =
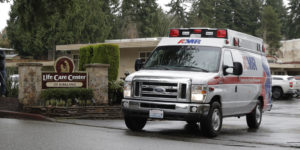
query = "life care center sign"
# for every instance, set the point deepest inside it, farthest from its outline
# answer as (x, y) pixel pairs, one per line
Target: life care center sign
(64, 75)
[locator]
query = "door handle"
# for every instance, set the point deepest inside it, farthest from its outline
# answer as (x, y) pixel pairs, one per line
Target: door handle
(235, 89)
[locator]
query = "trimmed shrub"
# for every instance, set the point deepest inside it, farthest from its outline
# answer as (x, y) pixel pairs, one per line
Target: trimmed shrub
(85, 56)
(66, 96)
(108, 54)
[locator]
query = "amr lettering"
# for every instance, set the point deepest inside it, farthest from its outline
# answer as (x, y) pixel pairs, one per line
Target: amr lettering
(189, 41)
(249, 63)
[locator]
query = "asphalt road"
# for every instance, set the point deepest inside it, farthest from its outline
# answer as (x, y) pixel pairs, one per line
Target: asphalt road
(280, 129)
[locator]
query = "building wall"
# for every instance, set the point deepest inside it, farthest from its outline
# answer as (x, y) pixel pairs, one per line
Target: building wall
(290, 50)
(128, 57)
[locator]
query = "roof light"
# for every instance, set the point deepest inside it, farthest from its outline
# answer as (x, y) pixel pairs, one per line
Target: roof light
(197, 31)
(174, 33)
(221, 33)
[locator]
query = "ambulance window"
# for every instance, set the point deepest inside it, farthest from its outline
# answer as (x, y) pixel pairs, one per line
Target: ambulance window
(228, 61)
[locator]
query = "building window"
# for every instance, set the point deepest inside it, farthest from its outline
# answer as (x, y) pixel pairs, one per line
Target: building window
(144, 55)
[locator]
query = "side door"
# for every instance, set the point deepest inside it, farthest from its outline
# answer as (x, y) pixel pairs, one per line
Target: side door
(229, 86)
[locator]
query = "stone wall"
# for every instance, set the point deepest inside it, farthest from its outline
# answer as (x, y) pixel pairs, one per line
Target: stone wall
(98, 81)
(30, 83)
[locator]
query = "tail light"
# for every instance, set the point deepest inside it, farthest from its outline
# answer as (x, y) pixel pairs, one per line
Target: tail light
(291, 84)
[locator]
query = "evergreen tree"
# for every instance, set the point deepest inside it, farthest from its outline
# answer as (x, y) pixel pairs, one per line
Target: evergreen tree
(177, 11)
(129, 18)
(148, 17)
(294, 19)
(202, 13)
(37, 26)
(281, 11)
(271, 29)
(4, 43)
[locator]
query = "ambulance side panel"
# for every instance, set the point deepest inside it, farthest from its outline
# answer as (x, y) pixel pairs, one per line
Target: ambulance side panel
(249, 84)
(240, 93)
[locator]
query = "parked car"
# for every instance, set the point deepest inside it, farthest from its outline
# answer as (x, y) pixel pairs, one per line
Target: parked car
(284, 85)
(14, 80)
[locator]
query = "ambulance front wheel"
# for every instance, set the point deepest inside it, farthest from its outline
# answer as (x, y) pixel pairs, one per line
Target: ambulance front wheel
(254, 118)
(212, 124)
(135, 123)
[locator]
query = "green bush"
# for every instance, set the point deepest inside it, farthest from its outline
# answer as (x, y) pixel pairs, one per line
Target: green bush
(115, 91)
(108, 54)
(66, 96)
(85, 56)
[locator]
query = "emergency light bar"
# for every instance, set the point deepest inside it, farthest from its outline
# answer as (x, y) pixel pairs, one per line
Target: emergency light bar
(209, 33)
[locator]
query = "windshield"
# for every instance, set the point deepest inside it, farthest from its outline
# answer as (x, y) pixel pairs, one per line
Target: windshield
(189, 58)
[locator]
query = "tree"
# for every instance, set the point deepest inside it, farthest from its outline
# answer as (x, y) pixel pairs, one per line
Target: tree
(129, 18)
(271, 29)
(37, 26)
(294, 19)
(281, 11)
(177, 11)
(4, 42)
(202, 13)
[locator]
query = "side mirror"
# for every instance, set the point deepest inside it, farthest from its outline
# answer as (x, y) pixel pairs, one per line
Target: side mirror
(138, 64)
(237, 68)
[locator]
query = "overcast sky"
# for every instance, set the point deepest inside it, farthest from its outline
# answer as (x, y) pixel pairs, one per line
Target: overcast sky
(5, 8)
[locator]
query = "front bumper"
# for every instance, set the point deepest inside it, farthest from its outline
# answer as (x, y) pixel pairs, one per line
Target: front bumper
(171, 110)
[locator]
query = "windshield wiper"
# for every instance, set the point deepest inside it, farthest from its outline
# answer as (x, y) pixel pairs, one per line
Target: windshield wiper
(158, 67)
(193, 68)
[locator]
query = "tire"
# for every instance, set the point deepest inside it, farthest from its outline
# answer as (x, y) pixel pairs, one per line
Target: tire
(135, 123)
(212, 124)
(277, 93)
(255, 117)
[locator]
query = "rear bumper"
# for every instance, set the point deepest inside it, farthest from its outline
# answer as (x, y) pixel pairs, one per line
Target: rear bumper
(171, 111)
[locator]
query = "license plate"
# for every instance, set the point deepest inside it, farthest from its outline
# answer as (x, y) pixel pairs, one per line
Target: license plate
(156, 114)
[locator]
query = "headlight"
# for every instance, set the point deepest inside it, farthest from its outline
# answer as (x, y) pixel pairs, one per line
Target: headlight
(198, 93)
(127, 89)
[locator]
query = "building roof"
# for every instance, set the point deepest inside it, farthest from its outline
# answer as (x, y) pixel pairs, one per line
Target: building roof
(123, 43)
(6, 49)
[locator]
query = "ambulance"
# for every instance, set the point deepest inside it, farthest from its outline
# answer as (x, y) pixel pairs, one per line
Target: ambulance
(200, 75)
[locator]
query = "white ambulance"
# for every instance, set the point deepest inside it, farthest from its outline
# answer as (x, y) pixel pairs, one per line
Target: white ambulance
(200, 75)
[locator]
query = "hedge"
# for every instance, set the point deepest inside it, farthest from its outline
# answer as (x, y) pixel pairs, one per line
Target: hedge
(85, 56)
(108, 54)
(104, 54)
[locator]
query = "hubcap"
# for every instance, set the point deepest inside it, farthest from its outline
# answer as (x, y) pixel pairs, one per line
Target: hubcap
(258, 114)
(216, 119)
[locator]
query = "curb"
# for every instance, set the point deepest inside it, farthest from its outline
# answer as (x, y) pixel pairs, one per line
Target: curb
(22, 115)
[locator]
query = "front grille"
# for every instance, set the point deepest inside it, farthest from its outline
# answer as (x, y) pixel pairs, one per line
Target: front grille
(160, 90)
(161, 106)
